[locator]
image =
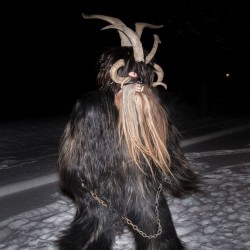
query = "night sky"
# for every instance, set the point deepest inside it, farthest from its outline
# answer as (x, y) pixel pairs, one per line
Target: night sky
(49, 52)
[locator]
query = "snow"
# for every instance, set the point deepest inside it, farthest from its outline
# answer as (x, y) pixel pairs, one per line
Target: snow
(218, 217)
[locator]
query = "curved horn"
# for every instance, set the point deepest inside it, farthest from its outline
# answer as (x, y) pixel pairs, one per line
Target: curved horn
(134, 39)
(140, 26)
(113, 72)
(153, 50)
(155, 84)
(114, 21)
(160, 74)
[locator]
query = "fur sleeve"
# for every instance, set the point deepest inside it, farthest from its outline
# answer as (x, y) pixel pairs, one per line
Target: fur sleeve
(88, 141)
(183, 179)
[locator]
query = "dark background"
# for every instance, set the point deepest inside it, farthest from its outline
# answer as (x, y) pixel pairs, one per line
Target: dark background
(49, 52)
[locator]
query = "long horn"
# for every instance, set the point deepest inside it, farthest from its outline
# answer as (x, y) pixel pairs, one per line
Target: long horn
(140, 26)
(153, 50)
(114, 21)
(113, 72)
(160, 74)
(134, 39)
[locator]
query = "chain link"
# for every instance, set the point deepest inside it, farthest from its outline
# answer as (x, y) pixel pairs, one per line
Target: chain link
(129, 222)
(98, 199)
(136, 228)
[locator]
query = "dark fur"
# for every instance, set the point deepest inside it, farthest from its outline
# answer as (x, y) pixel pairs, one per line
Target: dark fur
(98, 160)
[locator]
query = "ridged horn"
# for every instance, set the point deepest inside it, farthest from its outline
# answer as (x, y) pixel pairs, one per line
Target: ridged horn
(124, 31)
(160, 74)
(151, 54)
(114, 21)
(134, 39)
(140, 26)
(114, 75)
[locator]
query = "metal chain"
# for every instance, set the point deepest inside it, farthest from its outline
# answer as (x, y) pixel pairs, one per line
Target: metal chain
(136, 228)
(98, 199)
(129, 222)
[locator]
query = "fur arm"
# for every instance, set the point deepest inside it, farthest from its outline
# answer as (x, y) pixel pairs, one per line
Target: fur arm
(87, 141)
(183, 179)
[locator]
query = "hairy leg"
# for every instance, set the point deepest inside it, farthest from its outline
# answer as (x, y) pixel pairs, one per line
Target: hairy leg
(88, 232)
(167, 240)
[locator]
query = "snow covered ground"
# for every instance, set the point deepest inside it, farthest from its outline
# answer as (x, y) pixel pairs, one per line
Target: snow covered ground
(216, 218)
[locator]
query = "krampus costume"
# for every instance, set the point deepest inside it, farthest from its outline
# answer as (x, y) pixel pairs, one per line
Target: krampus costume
(120, 155)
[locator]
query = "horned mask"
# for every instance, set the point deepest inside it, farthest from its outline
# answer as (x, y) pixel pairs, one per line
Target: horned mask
(130, 38)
